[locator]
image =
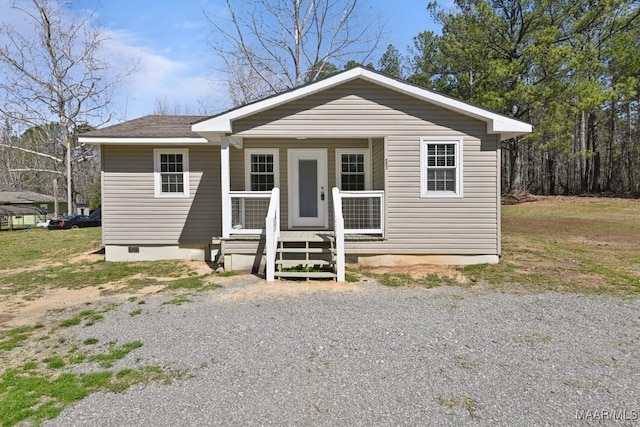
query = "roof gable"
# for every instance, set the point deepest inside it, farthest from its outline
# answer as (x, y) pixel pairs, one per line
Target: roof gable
(505, 126)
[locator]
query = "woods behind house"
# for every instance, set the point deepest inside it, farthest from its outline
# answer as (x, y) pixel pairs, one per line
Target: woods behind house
(570, 68)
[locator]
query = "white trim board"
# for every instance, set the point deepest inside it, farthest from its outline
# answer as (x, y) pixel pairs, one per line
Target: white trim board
(145, 141)
(368, 176)
(321, 154)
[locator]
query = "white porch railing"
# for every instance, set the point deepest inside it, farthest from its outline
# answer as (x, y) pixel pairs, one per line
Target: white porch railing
(338, 230)
(272, 233)
(248, 211)
(362, 211)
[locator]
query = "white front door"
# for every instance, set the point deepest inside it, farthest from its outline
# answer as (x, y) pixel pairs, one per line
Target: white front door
(308, 192)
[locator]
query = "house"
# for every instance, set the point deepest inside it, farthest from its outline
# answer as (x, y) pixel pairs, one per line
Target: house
(43, 202)
(357, 167)
(20, 209)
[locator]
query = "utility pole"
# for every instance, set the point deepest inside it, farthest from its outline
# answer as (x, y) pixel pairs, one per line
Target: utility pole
(55, 198)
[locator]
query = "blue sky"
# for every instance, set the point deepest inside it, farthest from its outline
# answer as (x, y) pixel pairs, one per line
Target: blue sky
(170, 39)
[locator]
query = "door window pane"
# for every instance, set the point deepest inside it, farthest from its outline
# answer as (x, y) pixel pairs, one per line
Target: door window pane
(308, 188)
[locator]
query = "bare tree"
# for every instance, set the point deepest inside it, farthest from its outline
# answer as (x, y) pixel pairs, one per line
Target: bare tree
(271, 45)
(53, 73)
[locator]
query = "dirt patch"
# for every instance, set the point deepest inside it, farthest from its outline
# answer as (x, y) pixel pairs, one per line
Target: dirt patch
(25, 313)
(420, 270)
(515, 198)
(88, 257)
(283, 289)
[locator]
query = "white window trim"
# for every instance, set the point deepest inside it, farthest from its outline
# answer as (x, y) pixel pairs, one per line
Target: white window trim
(157, 176)
(275, 152)
(423, 167)
(368, 179)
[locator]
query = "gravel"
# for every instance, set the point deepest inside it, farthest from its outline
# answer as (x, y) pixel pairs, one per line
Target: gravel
(316, 354)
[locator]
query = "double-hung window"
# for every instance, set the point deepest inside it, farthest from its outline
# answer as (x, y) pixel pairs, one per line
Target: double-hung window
(261, 169)
(353, 169)
(440, 167)
(171, 172)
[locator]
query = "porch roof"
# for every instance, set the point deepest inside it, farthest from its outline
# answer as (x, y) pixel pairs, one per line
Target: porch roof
(215, 127)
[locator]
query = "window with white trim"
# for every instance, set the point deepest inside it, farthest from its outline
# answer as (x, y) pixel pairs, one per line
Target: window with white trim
(440, 167)
(261, 169)
(353, 169)
(171, 172)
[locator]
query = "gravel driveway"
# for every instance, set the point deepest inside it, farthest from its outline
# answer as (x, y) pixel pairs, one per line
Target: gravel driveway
(322, 354)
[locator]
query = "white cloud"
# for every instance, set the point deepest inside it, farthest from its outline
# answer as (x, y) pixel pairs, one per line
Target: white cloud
(180, 85)
(158, 75)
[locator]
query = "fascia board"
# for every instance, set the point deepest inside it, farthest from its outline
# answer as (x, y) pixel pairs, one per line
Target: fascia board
(103, 140)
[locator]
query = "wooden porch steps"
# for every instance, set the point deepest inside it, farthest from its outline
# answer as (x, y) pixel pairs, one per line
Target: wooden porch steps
(306, 275)
(306, 256)
(294, 263)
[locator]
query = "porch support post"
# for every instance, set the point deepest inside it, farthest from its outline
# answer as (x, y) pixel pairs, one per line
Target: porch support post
(225, 187)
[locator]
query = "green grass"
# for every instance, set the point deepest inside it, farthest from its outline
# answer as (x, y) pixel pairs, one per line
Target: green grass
(33, 397)
(351, 276)
(179, 300)
(20, 249)
(464, 402)
(585, 245)
(54, 362)
(191, 283)
(394, 280)
(88, 316)
(107, 360)
(13, 338)
(40, 388)
(98, 273)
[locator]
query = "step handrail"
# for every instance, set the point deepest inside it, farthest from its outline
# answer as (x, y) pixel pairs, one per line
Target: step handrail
(272, 233)
(338, 229)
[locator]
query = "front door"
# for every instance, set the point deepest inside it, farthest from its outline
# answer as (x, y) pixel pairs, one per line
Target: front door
(308, 192)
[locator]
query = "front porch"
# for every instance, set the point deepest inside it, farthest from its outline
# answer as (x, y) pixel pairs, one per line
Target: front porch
(301, 193)
(303, 253)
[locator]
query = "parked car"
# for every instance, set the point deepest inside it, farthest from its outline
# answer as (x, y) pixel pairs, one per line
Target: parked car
(76, 221)
(42, 224)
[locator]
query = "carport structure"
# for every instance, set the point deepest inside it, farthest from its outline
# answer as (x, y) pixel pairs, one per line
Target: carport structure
(19, 217)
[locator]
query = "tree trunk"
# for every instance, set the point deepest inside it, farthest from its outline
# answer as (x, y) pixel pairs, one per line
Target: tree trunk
(612, 127)
(515, 168)
(56, 207)
(583, 152)
(593, 168)
(551, 172)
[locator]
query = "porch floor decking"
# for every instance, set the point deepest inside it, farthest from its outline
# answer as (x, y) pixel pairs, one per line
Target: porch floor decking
(309, 236)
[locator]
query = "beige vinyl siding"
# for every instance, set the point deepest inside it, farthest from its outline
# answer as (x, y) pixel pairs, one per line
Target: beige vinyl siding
(378, 163)
(415, 225)
(356, 109)
(132, 215)
(243, 246)
(238, 173)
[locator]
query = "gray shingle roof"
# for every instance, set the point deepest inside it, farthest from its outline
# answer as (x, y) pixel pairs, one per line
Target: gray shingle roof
(153, 126)
(25, 197)
(20, 210)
